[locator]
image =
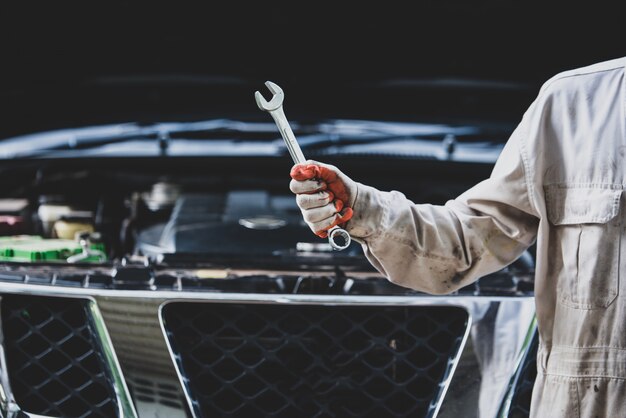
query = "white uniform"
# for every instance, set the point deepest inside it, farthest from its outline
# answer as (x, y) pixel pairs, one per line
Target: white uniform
(559, 182)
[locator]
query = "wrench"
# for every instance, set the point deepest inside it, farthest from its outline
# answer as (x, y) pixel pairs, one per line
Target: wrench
(338, 238)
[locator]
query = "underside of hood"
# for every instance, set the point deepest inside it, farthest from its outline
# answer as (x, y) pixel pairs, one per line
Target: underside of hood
(323, 52)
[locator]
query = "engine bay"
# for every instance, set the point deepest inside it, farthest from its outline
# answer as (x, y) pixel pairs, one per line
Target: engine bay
(105, 210)
(162, 225)
(161, 221)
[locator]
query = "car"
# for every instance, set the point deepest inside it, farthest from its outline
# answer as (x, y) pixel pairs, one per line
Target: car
(191, 285)
(152, 259)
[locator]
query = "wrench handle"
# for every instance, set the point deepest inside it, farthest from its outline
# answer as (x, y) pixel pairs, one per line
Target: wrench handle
(290, 139)
(338, 238)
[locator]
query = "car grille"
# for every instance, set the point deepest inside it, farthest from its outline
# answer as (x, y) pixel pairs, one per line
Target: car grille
(55, 363)
(241, 360)
(520, 402)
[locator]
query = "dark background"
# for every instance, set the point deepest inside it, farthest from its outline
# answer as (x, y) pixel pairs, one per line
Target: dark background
(71, 64)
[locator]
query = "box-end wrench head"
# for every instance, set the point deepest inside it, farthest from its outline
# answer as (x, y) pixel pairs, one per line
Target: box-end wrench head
(338, 238)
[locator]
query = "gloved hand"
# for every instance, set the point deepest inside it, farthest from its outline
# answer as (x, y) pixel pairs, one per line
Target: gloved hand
(324, 194)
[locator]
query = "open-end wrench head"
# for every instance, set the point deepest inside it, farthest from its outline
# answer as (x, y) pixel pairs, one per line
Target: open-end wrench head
(275, 102)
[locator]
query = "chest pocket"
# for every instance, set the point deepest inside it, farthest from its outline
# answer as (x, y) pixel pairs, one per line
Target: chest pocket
(584, 244)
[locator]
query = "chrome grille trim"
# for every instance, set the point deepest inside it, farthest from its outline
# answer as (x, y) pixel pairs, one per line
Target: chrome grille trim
(126, 409)
(111, 303)
(345, 301)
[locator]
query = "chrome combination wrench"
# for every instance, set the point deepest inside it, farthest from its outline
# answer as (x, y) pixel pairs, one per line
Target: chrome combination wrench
(338, 238)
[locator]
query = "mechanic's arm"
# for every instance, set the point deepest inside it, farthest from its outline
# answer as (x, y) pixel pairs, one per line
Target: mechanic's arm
(436, 249)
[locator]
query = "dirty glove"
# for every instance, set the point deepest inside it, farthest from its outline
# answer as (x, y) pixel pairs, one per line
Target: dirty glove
(324, 194)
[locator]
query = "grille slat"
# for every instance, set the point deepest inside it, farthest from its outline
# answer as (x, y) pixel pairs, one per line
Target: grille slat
(241, 360)
(55, 362)
(520, 401)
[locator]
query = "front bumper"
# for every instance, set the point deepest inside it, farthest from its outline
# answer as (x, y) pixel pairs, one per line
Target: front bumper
(157, 348)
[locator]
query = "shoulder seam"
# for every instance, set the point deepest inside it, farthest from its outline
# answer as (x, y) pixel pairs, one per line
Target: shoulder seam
(564, 75)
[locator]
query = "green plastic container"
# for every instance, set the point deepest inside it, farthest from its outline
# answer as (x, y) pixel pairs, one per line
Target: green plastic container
(28, 248)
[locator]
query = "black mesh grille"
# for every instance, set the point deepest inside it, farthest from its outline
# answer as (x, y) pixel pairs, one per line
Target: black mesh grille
(520, 402)
(316, 361)
(56, 365)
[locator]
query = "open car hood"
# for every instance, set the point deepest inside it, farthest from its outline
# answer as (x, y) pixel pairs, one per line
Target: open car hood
(67, 65)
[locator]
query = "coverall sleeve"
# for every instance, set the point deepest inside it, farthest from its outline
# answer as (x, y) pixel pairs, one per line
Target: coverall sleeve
(439, 249)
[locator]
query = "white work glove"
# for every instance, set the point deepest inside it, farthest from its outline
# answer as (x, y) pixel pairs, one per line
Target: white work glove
(324, 194)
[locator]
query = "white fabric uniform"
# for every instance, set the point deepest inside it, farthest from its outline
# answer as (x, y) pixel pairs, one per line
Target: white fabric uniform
(559, 182)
